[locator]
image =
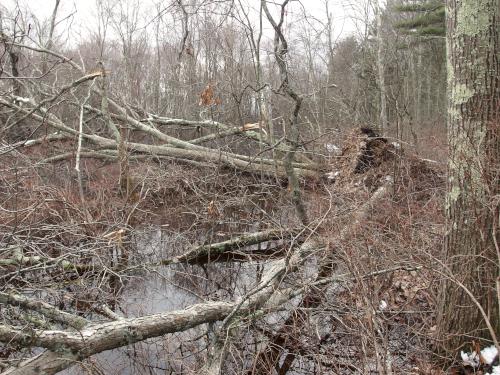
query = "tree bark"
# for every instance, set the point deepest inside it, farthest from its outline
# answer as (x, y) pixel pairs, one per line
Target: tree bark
(471, 246)
(381, 71)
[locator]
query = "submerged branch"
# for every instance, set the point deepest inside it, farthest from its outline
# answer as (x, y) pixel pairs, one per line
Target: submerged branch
(268, 357)
(213, 251)
(65, 347)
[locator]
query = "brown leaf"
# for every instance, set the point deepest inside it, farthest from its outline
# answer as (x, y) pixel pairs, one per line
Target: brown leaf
(207, 96)
(212, 209)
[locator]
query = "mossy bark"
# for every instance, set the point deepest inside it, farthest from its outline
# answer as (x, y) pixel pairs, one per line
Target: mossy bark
(471, 250)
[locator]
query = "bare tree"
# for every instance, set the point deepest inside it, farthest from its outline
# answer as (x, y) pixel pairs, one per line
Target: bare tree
(381, 69)
(199, 188)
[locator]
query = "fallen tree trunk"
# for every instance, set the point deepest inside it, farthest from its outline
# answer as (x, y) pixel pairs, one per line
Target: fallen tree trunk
(225, 130)
(269, 357)
(193, 145)
(44, 308)
(183, 149)
(210, 252)
(64, 347)
(174, 148)
(233, 249)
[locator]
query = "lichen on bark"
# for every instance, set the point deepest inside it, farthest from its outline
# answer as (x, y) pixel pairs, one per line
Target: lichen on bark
(473, 17)
(473, 109)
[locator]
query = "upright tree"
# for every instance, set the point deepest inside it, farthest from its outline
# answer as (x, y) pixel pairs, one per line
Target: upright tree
(469, 301)
(428, 18)
(381, 70)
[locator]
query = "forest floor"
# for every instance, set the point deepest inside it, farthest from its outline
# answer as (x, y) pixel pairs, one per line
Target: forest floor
(378, 309)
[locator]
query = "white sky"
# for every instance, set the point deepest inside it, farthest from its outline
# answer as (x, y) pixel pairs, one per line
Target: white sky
(83, 12)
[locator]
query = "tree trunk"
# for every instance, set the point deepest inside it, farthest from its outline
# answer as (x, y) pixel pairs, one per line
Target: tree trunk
(418, 81)
(471, 245)
(381, 71)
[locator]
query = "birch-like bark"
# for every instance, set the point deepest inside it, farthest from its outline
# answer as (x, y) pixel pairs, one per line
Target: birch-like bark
(381, 71)
(50, 38)
(78, 153)
(418, 79)
(184, 151)
(104, 104)
(212, 251)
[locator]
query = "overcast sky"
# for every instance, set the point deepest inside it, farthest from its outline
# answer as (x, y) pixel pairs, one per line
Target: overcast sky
(78, 17)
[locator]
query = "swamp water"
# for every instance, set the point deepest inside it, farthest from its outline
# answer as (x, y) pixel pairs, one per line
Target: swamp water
(168, 288)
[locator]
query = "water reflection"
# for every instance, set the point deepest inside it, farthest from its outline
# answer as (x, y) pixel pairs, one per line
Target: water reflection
(161, 289)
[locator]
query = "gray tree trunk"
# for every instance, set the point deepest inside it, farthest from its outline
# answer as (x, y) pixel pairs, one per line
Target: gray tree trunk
(471, 246)
(381, 71)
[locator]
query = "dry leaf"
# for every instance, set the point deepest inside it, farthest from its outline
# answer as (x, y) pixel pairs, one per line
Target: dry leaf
(212, 209)
(206, 97)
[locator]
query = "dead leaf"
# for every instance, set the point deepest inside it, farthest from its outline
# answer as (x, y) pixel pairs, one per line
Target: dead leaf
(212, 209)
(206, 97)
